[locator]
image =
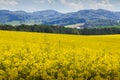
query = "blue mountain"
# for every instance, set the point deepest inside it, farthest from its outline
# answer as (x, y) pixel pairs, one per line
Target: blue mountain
(52, 17)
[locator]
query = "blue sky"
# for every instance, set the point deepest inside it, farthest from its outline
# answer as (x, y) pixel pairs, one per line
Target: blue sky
(59, 5)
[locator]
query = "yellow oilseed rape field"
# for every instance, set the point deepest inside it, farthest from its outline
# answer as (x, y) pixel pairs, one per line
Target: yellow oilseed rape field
(41, 56)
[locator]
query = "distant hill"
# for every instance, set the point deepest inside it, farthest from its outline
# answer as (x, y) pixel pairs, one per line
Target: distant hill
(52, 17)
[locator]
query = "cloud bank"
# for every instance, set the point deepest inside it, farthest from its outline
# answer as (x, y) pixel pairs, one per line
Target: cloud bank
(8, 2)
(59, 5)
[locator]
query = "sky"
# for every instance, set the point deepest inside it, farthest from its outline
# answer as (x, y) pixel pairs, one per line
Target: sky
(63, 6)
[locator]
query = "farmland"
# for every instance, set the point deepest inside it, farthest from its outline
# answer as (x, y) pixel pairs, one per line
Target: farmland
(42, 56)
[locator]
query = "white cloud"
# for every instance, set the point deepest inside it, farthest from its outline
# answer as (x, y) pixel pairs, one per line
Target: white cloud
(39, 1)
(43, 1)
(100, 4)
(50, 1)
(76, 6)
(8, 2)
(105, 4)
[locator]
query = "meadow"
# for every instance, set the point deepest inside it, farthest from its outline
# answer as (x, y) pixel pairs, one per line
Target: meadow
(42, 56)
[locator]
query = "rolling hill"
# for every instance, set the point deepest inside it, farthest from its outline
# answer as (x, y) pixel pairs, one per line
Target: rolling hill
(52, 17)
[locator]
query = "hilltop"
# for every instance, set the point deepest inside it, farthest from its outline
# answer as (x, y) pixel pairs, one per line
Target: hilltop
(90, 17)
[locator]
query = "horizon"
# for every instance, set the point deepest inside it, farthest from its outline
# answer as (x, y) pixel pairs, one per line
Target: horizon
(54, 10)
(63, 6)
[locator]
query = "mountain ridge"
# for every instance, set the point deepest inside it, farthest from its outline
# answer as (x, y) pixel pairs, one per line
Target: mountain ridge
(52, 17)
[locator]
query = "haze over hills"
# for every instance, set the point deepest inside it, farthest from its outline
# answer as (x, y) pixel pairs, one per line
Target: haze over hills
(52, 17)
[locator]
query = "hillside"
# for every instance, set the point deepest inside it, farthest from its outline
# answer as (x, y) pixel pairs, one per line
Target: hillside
(51, 17)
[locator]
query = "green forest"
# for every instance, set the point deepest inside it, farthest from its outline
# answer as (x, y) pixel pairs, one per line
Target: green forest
(62, 29)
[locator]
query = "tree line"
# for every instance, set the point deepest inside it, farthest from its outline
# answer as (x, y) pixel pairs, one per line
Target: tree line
(61, 29)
